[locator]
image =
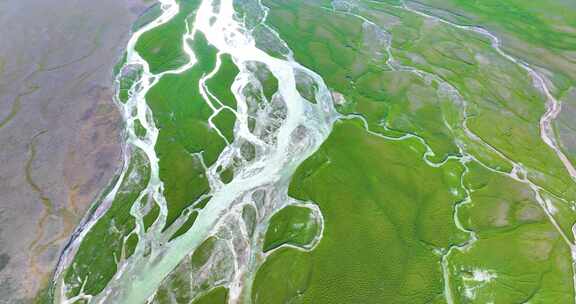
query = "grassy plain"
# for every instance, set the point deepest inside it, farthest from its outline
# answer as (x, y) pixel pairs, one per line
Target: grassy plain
(541, 32)
(523, 254)
(292, 225)
(387, 217)
(363, 183)
(162, 46)
(181, 115)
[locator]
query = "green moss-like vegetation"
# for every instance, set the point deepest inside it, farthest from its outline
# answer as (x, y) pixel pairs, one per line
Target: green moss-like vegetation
(292, 225)
(187, 225)
(227, 175)
(203, 252)
(499, 97)
(385, 212)
(151, 216)
(283, 278)
(161, 47)
(398, 100)
(496, 101)
(267, 80)
(220, 84)
(540, 31)
(521, 252)
(127, 81)
(224, 121)
(182, 115)
(176, 287)
(130, 245)
(96, 258)
(218, 295)
(139, 129)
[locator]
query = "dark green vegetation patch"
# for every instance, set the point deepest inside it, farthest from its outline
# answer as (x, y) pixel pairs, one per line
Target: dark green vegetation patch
(292, 225)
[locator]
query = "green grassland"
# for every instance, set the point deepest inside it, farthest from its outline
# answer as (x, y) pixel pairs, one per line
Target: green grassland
(384, 231)
(503, 107)
(516, 243)
(292, 225)
(181, 115)
(541, 32)
(162, 46)
(217, 296)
